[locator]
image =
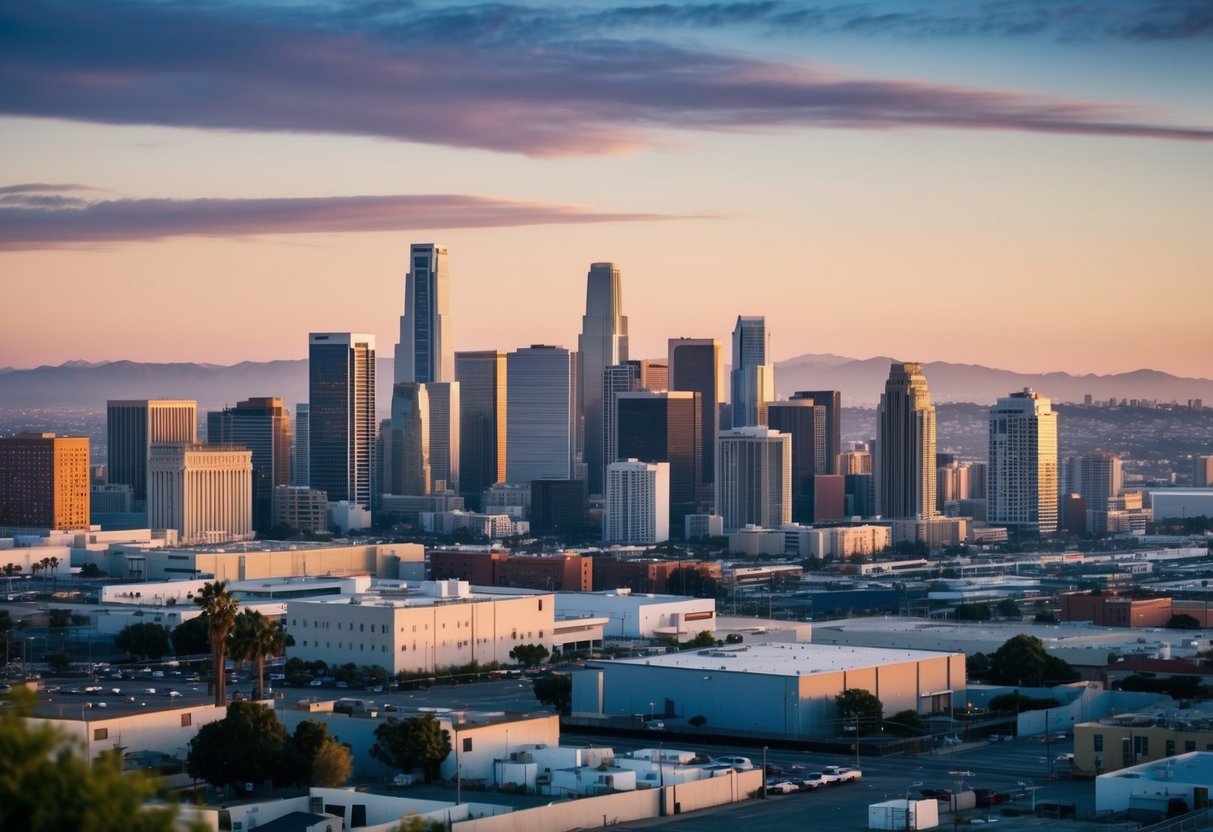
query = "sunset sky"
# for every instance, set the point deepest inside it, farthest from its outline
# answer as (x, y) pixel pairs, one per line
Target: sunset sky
(1026, 185)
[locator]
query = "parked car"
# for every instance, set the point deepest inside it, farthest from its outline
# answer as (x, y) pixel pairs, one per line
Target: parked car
(812, 780)
(988, 797)
(775, 786)
(937, 794)
(739, 763)
(843, 773)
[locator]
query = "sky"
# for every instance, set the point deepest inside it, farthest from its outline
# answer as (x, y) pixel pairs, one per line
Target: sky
(1023, 184)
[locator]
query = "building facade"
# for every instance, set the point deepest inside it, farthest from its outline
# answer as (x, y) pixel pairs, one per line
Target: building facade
(753, 374)
(805, 421)
(341, 398)
(302, 508)
(482, 421)
(616, 379)
(205, 492)
(754, 478)
(132, 426)
(263, 425)
(44, 481)
(425, 351)
(540, 420)
(301, 435)
(1097, 478)
(664, 427)
(603, 343)
(695, 368)
(405, 442)
(637, 508)
(1021, 492)
(905, 445)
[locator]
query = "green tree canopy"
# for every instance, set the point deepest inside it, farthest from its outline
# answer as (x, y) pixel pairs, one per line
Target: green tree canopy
(46, 785)
(418, 742)
(687, 580)
(978, 664)
(246, 746)
(255, 638)
(529, 654)
(706, 638)
(1007, 608)
(858, 707)
(906, 723)
(314, 758)
(555, 691)
(143, 641)
(219, 610)
(1022, 660)
(190, 638)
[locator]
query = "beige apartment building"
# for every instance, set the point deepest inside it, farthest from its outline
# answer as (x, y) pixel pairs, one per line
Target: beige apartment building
(205, 492)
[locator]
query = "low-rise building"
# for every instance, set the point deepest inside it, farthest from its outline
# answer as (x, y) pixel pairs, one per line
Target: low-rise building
(1116, 608)
(637, 615)
(1159, 789)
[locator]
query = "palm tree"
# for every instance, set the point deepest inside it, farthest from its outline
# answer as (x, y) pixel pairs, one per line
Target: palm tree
(219, 610)
(256, 638)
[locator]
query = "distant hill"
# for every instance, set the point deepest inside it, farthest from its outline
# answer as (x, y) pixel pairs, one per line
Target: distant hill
(83, 384)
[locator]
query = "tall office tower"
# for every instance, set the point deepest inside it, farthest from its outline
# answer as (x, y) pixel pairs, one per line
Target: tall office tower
(855, 462)
(664, 427)
(44, 481)
(482, 414)
(444, 434)
(754, 478)
(341, 395)
(1202, 471)
(603, 342)
(616, 379)
(951, 483)
(831, 400)
(406, 442)
(637, 507)
(1022, 487)
(905, 445)
(205, 492)
(695, 368)
(426, 349)
(263, 426)
(1097, 478)
(540, 419)
(654, 373)
(301, 435)
(979, 472)
(805, 421)
(753, 375)
(133, 426)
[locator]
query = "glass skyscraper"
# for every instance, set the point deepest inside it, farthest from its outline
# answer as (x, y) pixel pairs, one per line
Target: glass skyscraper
(603, 343)
(341, 398)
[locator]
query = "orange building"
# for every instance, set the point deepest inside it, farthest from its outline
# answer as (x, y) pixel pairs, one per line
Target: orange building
(647, 575)
(567, 572)
(44, 481)
(1116, 609)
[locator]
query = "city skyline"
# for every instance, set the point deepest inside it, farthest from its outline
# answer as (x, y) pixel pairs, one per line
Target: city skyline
(1056, 162)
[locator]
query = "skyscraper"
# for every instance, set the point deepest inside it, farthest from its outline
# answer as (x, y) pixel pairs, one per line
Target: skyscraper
(443, 399)
(132, 426)
(300, 466)
(482, 416)
(1098, 478)
(1022, 486)
(754, 478)
(752, 374)
(425, 351)
(805, 421)
(695, 368)
(540, 419)
(831, 400)
(263, 426)
(654, 373)
(616, 379)
(637, 506)
(44, 481)
(341, 397)
(603, 342)
(905, 445)
(205, 492)
(664, 427)
(406, 442)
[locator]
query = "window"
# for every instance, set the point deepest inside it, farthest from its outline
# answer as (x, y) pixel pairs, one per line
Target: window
(101, 734)
(1170, 748)
(1189, 745)
(467, 744)
(187, 720)
(1099, 742)
(541, 605)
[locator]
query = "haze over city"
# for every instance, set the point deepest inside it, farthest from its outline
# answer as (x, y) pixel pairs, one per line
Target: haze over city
(1019, 185)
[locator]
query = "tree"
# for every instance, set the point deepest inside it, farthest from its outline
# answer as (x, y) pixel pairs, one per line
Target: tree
(1183, 621)
(246, 746)
(529, 654)
(1045, 617)
(143, 641)
(416, 823)
(688, 580)
(906, 723)
(254, 638)
(91, 570)
(1022, 660)
(49, 786)
(555, 690)
(219, 609)
(314, 758)
(417, 742)
(191, 638)
(1019, 703)
(59, 661)
(1007, 608)
(860, 708)
(705, 639)
(978, 664)
(332, 765)
(971, 612)
(697, 721)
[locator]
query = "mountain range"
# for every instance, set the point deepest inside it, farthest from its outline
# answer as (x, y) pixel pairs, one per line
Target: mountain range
(84, 384)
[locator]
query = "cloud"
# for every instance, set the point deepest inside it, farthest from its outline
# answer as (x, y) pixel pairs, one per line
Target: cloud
(30, 222)
(536, 81)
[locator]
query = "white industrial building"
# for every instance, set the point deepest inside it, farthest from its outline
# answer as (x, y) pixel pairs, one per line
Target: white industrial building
(774, 689)
(1152, 788)
(1170, 503)
(640, 615)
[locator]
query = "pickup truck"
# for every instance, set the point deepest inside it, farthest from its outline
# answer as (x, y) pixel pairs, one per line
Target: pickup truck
(813, 780)
(842, 774)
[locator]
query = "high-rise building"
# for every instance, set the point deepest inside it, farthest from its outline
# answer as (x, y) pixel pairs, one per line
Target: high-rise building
(805, 421)
(482, 416)
(1202, 471)
(300, 466)
(603, 342)
(616, 379)
(263, 425)
(654, 373)
(754, 478)
(855, 461)
(558, 506)
(132, 426)
(1022, 488)
(341, 397)
(695, 368)
(205, 492)
(831, 400)
(753, 376)
(664, 427)
(905, 445)
(444, 434)
(952, 481)
(540, 419)
(426, 350)
(405, 442)
(1098, 478)
(44, 481)
(637, 507)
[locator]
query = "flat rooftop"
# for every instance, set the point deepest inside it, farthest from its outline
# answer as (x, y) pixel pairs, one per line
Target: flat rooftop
(1193, 767)
(776, 659)
(1077, 634)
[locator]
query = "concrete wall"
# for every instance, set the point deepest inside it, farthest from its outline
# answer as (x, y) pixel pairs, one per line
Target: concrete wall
(166, 731)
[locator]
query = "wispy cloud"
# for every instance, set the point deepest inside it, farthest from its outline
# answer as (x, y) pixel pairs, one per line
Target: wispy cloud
(538, 81)
(39, 221)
